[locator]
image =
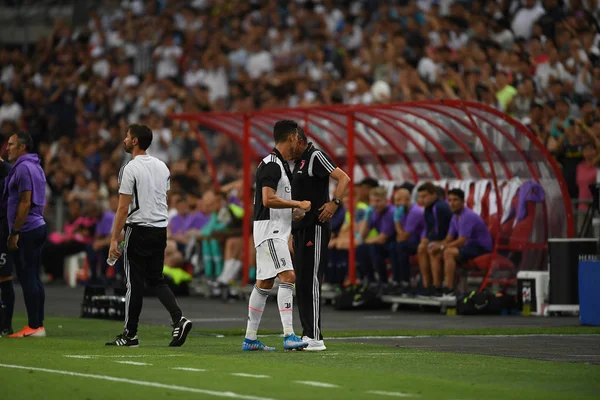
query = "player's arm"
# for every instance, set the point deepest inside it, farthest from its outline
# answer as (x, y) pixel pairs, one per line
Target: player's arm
(125, 194)
(268, 178)
(324, 166)
(271, 200)
(120, 216)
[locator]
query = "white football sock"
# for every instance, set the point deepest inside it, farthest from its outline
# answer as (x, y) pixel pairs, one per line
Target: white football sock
(256, 306)
(285, 300)
(224, 277)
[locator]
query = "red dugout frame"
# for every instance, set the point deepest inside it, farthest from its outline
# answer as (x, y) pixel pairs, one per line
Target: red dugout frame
(472, 140)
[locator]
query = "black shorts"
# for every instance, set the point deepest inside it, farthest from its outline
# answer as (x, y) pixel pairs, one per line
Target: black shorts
(471, 251)
(6, 260)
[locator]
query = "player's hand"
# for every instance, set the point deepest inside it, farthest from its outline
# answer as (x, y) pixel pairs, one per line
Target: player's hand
(13, 242)
(297, 214)
(327, 211)
(304, 205)
(113, 252)
(434, 247)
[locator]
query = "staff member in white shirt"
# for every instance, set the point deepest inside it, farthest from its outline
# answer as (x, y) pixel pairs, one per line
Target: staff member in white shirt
(143, 212)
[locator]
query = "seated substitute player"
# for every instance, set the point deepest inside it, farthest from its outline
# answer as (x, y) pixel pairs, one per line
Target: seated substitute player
(468, 238)
(437, 216)
(273, 206)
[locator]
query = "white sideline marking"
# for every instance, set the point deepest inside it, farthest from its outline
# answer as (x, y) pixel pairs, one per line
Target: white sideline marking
(462, 336)
(393, 394)
(318, 384)
(139, 383)
(218, 319)
(189, 369)
(132, 363)
(122, 356)
(249, 375)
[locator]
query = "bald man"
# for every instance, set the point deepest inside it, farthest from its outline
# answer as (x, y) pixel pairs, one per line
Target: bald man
(409, 222)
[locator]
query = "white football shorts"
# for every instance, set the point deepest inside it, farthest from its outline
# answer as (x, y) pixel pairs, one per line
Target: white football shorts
(272, 258)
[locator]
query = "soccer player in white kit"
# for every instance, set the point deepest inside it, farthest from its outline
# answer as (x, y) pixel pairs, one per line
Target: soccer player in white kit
(273, 206)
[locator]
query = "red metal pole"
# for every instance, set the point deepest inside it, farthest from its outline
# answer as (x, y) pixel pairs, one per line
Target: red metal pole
(247, 200)
(209, 159)
(351, 160)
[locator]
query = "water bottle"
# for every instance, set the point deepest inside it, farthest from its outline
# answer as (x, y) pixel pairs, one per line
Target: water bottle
(120, 248)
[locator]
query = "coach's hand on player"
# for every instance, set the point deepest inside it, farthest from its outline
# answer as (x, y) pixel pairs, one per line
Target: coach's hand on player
(327, 211)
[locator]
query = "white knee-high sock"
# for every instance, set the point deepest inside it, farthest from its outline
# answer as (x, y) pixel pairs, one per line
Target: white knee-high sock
(256, 306)
(285, 300)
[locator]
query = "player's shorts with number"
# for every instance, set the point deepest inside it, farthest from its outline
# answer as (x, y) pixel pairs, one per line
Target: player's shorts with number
(6, 265)
(272, 258)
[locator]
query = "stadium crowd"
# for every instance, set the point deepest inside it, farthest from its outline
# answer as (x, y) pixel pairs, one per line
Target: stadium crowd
(77, 90)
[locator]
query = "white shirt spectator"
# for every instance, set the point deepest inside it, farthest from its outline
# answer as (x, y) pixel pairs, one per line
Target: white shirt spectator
(544, 72)
(504, 38)
(583, 83)
(522, 24)
(259, 63)
(101, 67)
(194, 77)
(161, 106)
(10, 112)
(353, 40)
(216, 81)
(7, 74)
(168, 64)
(427, 70)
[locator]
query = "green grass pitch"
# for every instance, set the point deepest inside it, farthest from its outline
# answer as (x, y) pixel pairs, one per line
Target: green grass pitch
(215, 367)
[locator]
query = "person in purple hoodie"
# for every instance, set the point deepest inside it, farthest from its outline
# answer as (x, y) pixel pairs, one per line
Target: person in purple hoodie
(468, 238)
(25, 194)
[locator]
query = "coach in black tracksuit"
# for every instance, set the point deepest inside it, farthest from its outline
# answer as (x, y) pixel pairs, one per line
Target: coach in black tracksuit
(311, 233)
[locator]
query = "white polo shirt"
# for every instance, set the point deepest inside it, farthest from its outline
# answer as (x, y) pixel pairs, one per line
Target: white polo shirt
(147, 180)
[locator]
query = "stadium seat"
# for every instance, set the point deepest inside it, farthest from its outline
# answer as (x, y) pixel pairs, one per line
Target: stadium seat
(504, 257)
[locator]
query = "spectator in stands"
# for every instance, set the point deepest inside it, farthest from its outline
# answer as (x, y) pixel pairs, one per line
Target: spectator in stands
(373, 249)
(588, 172)
(468, 238)
(97, 251)
(179, 222)
(76, 235)
(10, 110)
(437, 217)
(409, 223)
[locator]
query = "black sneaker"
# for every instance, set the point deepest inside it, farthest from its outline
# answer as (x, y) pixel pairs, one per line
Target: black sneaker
(438, 293)
(180, 332)
(6, 332)
(123, 340)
